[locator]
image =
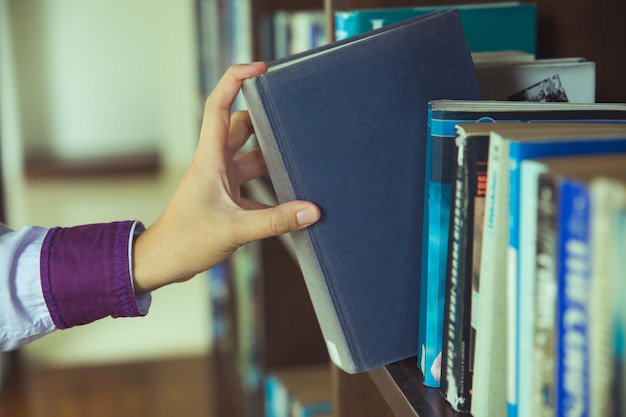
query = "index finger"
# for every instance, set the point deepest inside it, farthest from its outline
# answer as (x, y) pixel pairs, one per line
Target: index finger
(217, 109)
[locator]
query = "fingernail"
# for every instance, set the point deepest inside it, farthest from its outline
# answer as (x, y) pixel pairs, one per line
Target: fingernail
(307, 216)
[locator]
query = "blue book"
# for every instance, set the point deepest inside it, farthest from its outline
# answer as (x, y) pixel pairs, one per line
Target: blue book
(443, 116)
(573, 264)
(487, 26)
(335, 130)
(539, 141)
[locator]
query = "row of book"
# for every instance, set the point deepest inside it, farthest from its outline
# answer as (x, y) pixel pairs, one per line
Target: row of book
(506, 322)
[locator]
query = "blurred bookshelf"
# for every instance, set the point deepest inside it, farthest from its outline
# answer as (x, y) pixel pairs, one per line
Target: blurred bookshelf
(285, 328)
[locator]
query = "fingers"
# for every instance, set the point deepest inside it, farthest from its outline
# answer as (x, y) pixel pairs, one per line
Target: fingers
(214, 133)
(240, 131)
(250, 165)
(284, 218)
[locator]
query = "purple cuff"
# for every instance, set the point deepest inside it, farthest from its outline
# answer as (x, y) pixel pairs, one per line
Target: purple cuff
(85, 273)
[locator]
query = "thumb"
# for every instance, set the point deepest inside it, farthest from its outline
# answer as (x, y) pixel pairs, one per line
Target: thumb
(281, 219)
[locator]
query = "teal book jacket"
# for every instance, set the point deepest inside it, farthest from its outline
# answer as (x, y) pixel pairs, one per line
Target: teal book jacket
(488, 27)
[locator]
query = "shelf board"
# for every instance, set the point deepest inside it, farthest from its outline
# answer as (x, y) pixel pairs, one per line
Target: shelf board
(402, 385)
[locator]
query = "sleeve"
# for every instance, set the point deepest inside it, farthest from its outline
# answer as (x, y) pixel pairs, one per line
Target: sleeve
(63, 277)
(86, 274)
(23, 312)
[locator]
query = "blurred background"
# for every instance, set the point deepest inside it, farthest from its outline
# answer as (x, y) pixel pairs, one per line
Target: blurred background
(100, 113)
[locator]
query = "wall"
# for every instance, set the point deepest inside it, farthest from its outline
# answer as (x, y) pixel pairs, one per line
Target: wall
(105, 77)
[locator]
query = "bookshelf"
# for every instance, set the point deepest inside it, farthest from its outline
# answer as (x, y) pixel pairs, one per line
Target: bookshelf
(584, 28)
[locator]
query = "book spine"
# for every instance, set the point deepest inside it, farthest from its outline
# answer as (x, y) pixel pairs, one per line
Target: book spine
(478, 177)
(512, 274)
(618, 318)
(451, 366)
(490, 374)
(573, 278)
(464, 267)
(441, 158)
(529, 183)
(545, 300)
(424, 283)
(608, 198)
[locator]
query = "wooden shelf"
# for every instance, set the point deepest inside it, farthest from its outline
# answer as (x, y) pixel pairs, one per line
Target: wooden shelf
(402, 386)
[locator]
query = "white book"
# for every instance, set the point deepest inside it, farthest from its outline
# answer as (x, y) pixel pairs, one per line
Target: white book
(608, 198)
(558, 79)
(489, 395)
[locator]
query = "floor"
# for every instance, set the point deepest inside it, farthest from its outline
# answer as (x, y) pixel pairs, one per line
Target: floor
(173, 388)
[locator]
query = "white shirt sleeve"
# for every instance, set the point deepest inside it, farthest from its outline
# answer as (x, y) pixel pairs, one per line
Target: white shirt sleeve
(24, 315)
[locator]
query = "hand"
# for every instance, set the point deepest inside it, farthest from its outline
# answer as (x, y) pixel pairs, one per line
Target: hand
(207, 219)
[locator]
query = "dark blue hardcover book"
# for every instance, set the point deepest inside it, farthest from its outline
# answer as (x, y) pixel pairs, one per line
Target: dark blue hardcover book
(345, 126)
(443, 116)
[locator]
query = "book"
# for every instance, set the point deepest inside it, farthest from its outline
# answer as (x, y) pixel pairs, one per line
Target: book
(618, 322)
(550, 174)
(235, 34)
(571, 79)
(462, 271)
(542, 394)
(293, 32)
(572, 311)
(443, 116)
(245, 273)
(608, 199)
(487, 26)
(299, 391)
(504, 56)
(333, 131)
(537, 141)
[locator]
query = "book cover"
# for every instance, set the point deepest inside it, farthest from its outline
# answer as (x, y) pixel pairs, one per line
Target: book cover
(463, 270)
(443, 116)
(538, 141)
(571, 79)
(336, 132)
(487, 26)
